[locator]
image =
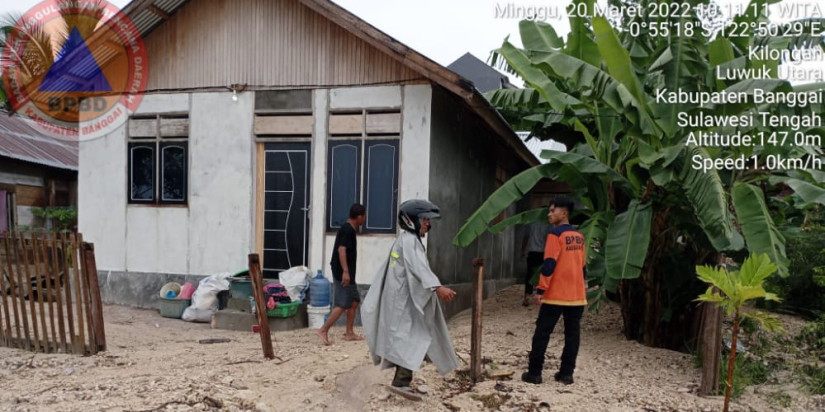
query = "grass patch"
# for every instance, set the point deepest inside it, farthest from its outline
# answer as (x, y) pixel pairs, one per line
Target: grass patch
(780, 399)
(813, 334)
(746, 372)
(814, 378)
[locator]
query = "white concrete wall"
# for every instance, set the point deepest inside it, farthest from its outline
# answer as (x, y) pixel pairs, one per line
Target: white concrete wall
(101, 197)
(318, 182)
(214, 232)
(221, 178)
(415, 142)
(365, 97)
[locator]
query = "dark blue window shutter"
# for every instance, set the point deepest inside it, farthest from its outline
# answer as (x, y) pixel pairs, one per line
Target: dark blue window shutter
(381, 185)
(343, 180)
(141, 172)
(173, 159)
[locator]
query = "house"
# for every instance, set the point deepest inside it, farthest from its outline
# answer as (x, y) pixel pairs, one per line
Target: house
(36, 171)
(266, 120)
(484, 77)
(487, 79)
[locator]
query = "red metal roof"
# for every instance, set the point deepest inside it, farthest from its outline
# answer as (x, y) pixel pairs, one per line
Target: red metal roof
(21, 140)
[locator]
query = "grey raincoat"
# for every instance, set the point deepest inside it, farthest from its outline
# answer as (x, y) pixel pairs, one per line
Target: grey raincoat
(401, 313)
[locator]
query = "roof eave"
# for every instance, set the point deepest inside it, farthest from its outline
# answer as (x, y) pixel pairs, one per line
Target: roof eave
(433, 71)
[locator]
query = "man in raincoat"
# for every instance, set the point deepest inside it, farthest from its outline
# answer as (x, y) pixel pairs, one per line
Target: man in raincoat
(403, 321)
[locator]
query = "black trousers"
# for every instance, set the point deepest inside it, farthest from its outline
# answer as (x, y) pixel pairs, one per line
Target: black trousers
(534, 260)
(548, 317)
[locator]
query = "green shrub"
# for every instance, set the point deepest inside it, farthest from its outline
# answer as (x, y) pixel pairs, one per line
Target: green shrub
(747, 371)
(813, 334)
(803, 291)
(63, 218)
(814, 378)
(781, 399)
(748, 326)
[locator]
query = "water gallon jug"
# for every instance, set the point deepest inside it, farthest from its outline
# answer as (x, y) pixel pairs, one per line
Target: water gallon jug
(319, 290)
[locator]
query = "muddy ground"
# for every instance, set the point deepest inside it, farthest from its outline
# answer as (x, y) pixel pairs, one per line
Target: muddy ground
(157, 364)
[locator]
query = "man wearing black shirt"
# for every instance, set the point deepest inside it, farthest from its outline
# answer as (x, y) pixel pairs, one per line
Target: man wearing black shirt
(343, 273)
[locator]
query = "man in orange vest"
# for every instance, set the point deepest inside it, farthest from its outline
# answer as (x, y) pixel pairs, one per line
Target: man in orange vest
(561, 292)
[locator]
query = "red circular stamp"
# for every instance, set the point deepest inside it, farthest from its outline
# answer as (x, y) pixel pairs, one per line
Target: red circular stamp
(78, 68)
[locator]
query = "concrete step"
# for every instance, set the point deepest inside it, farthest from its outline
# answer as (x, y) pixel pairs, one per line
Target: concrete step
(241, 305)
(232, 319)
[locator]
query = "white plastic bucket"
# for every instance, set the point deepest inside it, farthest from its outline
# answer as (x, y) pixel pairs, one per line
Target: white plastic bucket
(316, 316)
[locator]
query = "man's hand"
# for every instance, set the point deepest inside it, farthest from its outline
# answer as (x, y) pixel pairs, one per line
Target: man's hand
(345, 278)
(444, 293)
(537, 299)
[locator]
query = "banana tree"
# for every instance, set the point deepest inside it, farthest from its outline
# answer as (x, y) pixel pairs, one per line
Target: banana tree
(39, 54)
(645, 205)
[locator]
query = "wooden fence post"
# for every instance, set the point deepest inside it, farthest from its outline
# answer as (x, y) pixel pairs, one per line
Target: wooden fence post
(9, 298)
(260, 305)
(475, 339)
(96, 300)
(711, 344)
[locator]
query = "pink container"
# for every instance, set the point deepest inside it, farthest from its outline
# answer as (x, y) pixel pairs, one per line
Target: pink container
(187, 291)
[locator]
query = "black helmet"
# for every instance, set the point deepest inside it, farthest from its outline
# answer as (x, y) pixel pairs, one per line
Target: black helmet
(412, 211)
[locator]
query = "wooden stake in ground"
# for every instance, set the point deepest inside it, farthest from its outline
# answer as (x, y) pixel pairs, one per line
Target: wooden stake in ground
(94, 295)
(475, 339)
(711, 344)
(260, 305)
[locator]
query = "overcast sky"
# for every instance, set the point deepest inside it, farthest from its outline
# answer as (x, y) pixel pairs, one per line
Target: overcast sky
(442, 30)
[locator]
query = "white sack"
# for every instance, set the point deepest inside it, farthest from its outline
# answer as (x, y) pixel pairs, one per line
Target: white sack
(205, 299)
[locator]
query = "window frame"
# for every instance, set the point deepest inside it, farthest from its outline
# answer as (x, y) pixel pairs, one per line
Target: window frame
(157, 143)
(396, 145)
(365, 140)
(162, 145)
(358, 171)
(153, 147)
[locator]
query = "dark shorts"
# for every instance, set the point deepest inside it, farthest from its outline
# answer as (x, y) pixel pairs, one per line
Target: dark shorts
(345, 296)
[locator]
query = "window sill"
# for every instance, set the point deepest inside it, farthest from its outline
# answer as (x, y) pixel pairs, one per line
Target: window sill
(333, 232)
(161, 205)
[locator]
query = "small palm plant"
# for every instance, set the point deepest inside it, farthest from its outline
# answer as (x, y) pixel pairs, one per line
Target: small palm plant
(731, 290)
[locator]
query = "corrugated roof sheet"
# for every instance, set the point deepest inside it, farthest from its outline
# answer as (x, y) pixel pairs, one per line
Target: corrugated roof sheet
(21, 140)
(537, 146)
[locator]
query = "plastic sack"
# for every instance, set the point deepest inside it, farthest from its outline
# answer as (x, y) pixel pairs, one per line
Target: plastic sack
(296, 282)
(205, 299)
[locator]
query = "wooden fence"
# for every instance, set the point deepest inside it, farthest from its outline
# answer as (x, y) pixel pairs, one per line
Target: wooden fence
(49, 295)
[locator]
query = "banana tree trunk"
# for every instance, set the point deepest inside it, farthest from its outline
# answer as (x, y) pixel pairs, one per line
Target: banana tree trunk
(711, 344)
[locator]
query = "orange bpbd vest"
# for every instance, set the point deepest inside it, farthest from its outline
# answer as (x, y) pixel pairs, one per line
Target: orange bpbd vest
(566, 285)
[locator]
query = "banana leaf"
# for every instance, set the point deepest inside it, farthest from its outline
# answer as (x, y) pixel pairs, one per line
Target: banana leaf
(808, 192)
(539, 36)
(627, 241)
(709, 201)
(761, 234)
(515, 188)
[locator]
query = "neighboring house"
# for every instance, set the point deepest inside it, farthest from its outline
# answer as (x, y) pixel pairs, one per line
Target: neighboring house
(267, 119)
(36, 170)
(536, 146)
(484, 77)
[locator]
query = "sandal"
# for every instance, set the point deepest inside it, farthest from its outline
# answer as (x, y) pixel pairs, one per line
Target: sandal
(404, 391)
